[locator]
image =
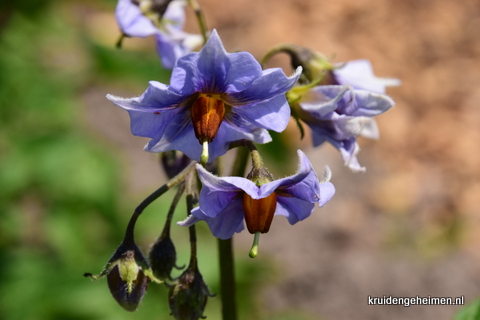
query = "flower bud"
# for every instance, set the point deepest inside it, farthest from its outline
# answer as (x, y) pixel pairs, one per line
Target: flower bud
(207, 115)
(127, 274)
(188, 297)
(153, 7)
(163, 257)
(314, 65)
(173, 162)
(127, 282)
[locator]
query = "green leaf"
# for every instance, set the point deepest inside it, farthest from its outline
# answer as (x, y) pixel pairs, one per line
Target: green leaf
(469, 312)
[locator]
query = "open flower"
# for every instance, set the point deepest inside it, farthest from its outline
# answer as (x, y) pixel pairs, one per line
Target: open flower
(338, 114)
(213, 96)
(359, 74)
(226, 201)
(143, 18)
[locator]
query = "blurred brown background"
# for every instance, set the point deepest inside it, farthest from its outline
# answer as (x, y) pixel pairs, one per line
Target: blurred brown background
(410, 225)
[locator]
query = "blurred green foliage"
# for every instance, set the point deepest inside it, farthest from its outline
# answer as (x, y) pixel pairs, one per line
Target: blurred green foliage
(62, 211)
(469, 312)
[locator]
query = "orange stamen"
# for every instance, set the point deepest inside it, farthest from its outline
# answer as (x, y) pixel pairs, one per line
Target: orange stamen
(207, 116)
(259, 212)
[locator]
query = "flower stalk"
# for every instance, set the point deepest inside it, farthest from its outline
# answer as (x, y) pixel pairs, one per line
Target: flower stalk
(188, 296)
(200, 18)
(225, 249)
(163, 256)
(129, 233)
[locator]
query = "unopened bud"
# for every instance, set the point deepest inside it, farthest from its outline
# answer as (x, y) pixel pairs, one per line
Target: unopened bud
(127, 282)
(155, 8)
(127, 274)
(315, 66)
(163, 258)
(173, 162)
(188, 297)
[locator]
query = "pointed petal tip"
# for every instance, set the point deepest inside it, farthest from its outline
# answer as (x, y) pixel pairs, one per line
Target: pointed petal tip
(213, 37)
(202, 172)
(327, 193)
(297, 73)
(112, 97)
(327, 175)
(189, 221)
(356, 169)
(304, 164)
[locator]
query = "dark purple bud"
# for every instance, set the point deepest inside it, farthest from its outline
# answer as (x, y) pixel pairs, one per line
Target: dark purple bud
(153, 6)
(159, 6)
(127, 274)
(163, 258)
(173, 162)
(127, 282)
(188, 297)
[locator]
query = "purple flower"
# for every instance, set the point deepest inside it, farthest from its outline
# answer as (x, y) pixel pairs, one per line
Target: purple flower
(359, 74)
(213, 96)
(338, 114)
(222, 199)
(140, 18)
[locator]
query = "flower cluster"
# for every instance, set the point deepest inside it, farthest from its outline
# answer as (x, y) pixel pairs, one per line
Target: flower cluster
(216, 101)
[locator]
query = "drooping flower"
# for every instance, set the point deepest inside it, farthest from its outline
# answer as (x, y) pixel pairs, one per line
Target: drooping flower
(213, 96)
(225, 202)
(359, 74)
(317, 68)
(338, 114)
(164, 20)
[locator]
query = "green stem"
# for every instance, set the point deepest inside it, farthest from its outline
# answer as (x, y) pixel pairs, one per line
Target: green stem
(240, 163)
(200, 18)
(171, 211)
(129, 233)
(189, 190)
(225, 250)
(119, 42)
(227, 279)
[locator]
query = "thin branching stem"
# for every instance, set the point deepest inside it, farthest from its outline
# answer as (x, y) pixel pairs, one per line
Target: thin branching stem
(200, 18)
(129, 233)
